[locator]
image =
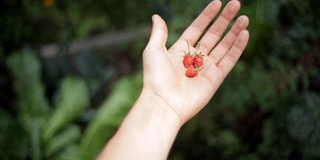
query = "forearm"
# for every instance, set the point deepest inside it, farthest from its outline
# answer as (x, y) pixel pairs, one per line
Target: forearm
(147, 132)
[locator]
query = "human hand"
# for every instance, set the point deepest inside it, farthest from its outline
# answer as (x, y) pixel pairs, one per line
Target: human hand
(164, 73)
(168, 97)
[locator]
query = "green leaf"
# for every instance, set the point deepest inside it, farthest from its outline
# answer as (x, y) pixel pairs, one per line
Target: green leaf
(90, 24)
(74, 99)
(73, 152)
(110, 115)
(31, 101)
(63, 140)
(25, 68)
(35, 125)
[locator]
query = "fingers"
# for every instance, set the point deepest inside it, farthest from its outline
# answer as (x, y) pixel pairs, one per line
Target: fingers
(223, 47)
(159, 33)
(214, 33)
(196, 29)
(232, 56)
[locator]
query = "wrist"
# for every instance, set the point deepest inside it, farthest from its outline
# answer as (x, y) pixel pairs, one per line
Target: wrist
(150, 105)
(147, 132)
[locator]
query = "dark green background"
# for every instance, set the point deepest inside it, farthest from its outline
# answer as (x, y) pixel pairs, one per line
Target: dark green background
(66, 106)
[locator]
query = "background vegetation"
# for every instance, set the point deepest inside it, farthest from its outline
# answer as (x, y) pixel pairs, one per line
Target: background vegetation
(66, 105)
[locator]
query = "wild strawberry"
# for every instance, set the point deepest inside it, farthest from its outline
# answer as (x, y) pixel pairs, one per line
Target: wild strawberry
(198, 61)
(191, 71)
(193, 63)
(188, 60)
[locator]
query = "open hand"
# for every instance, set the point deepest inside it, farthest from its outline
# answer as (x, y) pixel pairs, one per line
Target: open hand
(164, 73)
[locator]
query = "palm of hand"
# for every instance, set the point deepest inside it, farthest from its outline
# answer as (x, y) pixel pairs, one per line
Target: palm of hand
(164, 73)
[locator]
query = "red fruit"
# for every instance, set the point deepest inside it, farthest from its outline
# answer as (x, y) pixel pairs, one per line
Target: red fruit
(198, 61)
(191, 71)
(188, 60)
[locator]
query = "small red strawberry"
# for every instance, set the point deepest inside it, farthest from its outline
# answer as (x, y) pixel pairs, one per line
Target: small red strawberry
(191, 71)
(198, 61)
(188, 60)
(193, 62)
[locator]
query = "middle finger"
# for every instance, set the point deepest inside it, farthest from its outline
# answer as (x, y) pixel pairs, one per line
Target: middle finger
(214, 33)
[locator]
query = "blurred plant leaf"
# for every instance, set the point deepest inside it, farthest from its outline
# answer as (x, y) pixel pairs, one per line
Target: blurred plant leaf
(31, 100)
(110, 115)
(72, 152)
(90, 24)
(62, 141)
(74, 97)
(25, 68)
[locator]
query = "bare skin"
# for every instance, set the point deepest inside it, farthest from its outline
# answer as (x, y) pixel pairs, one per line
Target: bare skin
(169, 98)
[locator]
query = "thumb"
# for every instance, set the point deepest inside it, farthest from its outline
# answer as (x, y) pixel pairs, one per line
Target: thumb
(159, 33)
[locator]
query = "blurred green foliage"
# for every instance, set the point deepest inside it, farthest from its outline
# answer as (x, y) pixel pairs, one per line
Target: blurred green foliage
(68, 106)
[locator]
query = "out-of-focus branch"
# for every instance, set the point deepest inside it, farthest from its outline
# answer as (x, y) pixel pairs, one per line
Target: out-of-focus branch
(99, 41)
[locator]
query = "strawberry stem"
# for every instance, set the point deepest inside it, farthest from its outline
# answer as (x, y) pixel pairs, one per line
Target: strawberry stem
(188, 47)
